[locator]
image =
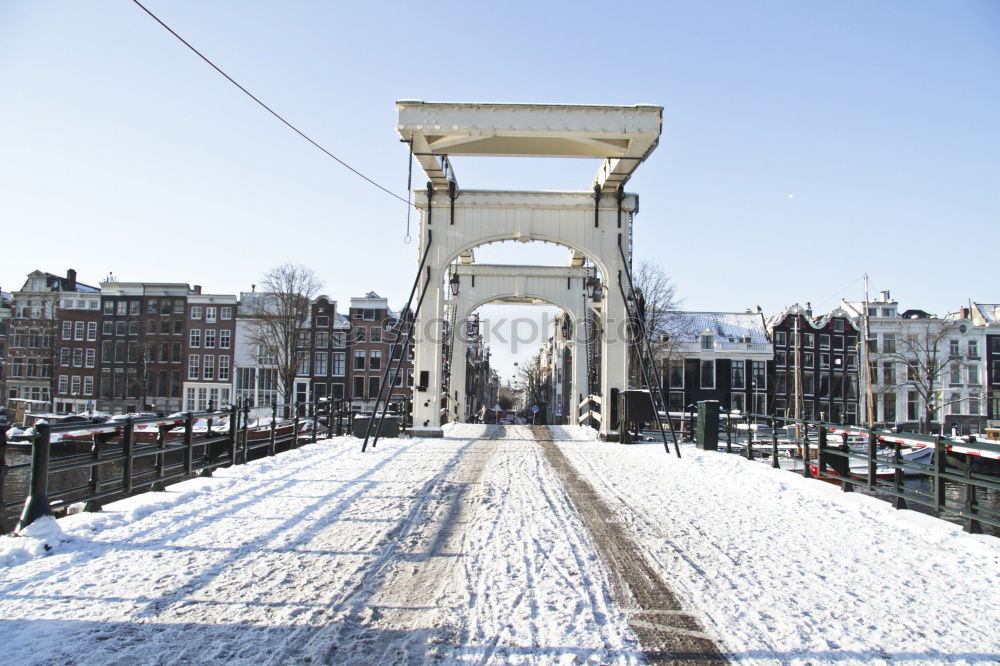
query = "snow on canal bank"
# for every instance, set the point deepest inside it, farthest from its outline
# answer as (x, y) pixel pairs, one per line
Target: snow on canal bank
(468, 550)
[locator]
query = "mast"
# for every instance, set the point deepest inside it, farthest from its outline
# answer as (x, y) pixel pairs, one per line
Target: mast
(798, 371)
(869, 399)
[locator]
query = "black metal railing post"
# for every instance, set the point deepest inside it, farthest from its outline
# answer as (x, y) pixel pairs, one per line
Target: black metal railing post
(234, 429)
(750, 444)
(274, 425)
(161, 445)
(805, 449)
(295, 427)
(36, 504)
(315, 418)
(940, 451)
(898, 501)
(128, 452)
(189, 442)
(774, 444)
(729, 432)
(972, 526)
(821, 446)
(872, 459)
(95, 470)
(3, 478)
(246, 430)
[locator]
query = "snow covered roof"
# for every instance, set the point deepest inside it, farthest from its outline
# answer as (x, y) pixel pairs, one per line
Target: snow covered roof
(726, 326)
(814, 321)
(990, 312)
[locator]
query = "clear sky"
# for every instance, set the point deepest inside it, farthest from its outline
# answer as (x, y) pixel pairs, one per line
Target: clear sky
(804, 143)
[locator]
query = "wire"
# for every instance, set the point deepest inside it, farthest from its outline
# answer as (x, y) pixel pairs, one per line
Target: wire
(842, 290)
(266, 107)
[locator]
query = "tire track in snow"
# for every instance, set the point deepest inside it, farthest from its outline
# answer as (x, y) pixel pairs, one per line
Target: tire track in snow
(667, 633)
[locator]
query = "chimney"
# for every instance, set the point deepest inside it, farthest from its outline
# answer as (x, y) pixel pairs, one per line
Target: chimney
(884, 296)
(71, 280)
(965, 313)
(196, 289)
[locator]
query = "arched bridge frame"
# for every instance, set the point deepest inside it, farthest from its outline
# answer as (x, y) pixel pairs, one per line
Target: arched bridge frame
(565, 287)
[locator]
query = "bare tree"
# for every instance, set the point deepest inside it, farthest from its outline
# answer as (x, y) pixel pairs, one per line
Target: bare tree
(919, 350)
(660, 323)
(281, 317)
(533, 377)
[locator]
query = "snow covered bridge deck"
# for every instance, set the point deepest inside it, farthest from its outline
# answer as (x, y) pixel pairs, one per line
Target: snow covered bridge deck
(471, 549)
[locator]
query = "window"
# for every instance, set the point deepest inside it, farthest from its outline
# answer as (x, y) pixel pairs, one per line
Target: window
(738, 375)
(886, 312)
(838, 342)
(953, 347)
(889, 374)
(359, 334)
(209, 338)
(195, 312)
(956, 373)
(223, 368)
(838, 325)
(974, 374)
(758, 375)
(707, 342)
(210, 314)
(375, 360)
(359, 387)
(151, 306)
(780, 383)
(911, 406)
(737, 402)
(954, 403)
(779, 358)
(321, 339)
(75, 385)
(195, 338)
(64, 356)
(63, 384)
(322, 321)
(339, 338)
(91, 331)
(337, 365)
(225, 339)
(337, 391)
(376, 334)
(208, 368)
(88, 386)
(889, 343)
(973, 349)
(369, 314)
(676, 373)
(359, 359)
(77, 358)
(779, 338)
(974, 404)
(824, 341)
(227, 313)
(707, 374)
(107, 328)
(109, 307)
(122, 308)
(91, 358)
(166, 306)
(807, 359)
(824, 361)
(852, 361)
(373, 386)
(194, 362)
(175, 352)
(78, 330)
(320, 361)
(133, 307)
(67, 330)
(809, 340)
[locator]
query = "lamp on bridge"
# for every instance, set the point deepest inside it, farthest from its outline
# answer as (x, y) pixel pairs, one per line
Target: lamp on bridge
(453, 284)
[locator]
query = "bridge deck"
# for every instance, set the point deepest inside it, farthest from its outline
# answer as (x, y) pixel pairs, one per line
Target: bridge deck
(470, 548)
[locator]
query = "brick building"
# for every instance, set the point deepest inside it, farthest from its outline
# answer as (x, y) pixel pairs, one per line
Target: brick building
(373, 330)
(210, 333)
(36, 323)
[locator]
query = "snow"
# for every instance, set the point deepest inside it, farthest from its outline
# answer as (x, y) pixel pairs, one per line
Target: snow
(467, 549)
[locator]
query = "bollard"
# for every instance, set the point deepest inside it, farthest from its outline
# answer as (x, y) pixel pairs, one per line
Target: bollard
(729, 433)
(234, 428)
(821, 446)
(36, 504)
(315, 418)
(805, 450)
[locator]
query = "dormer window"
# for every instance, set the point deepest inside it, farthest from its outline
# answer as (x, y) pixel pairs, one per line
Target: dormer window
(707, 342)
